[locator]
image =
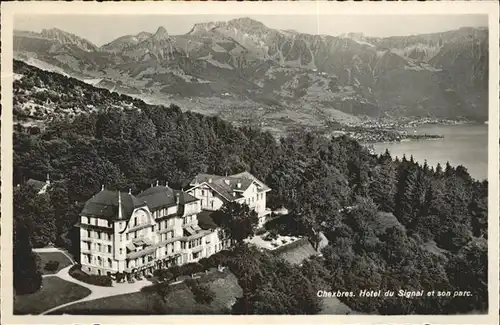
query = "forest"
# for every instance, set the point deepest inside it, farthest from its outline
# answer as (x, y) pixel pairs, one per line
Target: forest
(392, 224)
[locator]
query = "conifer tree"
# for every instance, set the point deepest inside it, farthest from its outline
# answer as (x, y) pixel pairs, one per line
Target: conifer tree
(27, 277)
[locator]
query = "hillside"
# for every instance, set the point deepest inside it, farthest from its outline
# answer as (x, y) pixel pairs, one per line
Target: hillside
(245, 71)
(410, 226)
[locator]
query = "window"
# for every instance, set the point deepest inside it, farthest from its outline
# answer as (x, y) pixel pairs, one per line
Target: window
(183, 245)
(128, 236)
(110, 262)
(202, 193)
(196, 255)
(84, 219)
(109, 223)
(135, 221)
(212, 203)
(109, 248)
(89, 233)
(121, 251)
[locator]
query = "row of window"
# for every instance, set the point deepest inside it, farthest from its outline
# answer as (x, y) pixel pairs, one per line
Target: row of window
(167, 236)
(97, 247)
(188, 219)
(97, 260)
(98, 235)
(193, 243)
(97, 222)
(108, 262)
(160, 213)
(140, 261)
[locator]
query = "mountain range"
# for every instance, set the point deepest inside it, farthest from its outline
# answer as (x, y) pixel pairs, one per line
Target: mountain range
(248, 73)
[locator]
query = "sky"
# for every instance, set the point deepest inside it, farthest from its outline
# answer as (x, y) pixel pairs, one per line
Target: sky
(102, 29)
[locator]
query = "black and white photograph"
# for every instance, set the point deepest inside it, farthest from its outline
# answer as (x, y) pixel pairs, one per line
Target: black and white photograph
(251, 163)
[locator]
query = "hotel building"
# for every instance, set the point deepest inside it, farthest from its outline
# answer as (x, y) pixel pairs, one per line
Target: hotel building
(158, 228)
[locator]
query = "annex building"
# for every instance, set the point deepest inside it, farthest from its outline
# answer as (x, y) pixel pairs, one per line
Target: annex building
(213, 191)
(158, 228)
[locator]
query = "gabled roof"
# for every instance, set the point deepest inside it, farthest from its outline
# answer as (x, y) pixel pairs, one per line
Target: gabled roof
(247, 175)
(229, 187)
(158, 197)
(105, 205)
(36, 184)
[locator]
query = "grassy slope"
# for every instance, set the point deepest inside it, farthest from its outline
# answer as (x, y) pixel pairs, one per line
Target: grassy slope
(54, 292)
(180, 301)
(46, 257)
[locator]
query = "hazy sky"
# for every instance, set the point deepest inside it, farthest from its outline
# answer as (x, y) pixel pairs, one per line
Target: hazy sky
(105, 28)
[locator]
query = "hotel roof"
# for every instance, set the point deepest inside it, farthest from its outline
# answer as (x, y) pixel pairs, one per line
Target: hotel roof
(105, 204)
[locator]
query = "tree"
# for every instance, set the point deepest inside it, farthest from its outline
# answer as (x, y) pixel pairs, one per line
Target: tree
(27, 277)
(202, 293)
(404, 200)
(238, 220)
(468, 270)
(383, 187)
(36, 212)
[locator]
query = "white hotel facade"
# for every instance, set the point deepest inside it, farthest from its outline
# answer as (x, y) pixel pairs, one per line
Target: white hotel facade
(158, 228)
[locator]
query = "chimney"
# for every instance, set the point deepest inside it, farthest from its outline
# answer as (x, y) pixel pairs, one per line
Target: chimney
(210, 180)
(238, 185)
(47, 181)
(177, 198)
(102, 187)
(234, 194)
(130, 191)
(157, 183)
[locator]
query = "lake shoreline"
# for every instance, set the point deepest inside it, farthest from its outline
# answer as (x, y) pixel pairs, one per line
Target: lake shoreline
(465, 145)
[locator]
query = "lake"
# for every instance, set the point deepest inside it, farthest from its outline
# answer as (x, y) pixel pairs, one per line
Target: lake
(465, 145)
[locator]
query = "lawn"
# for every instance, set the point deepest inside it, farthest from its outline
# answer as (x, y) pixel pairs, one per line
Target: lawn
(180, 301)
(53, 256)
(54, 292)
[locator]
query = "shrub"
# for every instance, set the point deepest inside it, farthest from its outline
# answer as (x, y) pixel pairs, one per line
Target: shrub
(175, 271)
(191, 268)
(205, 262)
(217, 259)
(51, 266)
(202, 293)
(99, 280)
